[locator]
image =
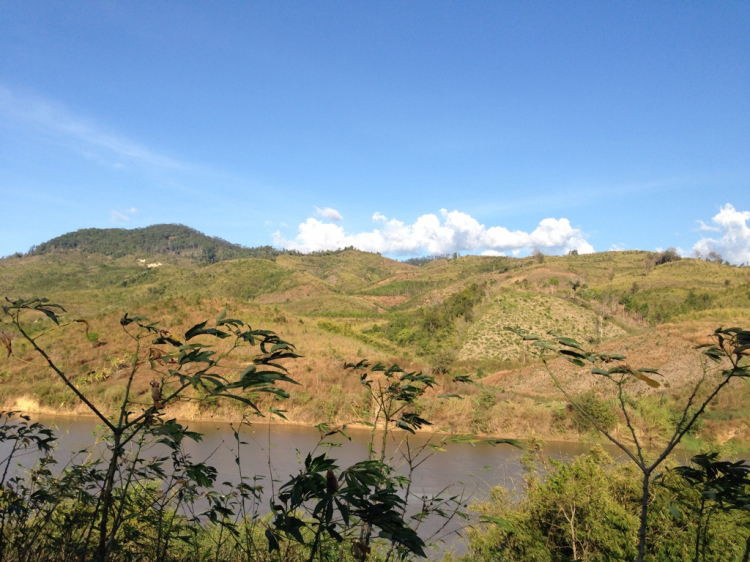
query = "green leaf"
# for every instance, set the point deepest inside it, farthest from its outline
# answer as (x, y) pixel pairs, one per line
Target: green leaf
(200, 329)
(607, 357)
(240, 399)
(570, 342)
(273, 543)
(278, 412)
(713, 353)
(674, 511)
(499, 521)
(513, 442)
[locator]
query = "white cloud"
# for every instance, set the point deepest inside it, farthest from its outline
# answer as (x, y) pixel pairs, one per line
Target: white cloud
(118, 217)
(617, 247)
(328, 213)
(734, 242)
(702, 226)
(121, 217)
(54, 119)
(453, 231)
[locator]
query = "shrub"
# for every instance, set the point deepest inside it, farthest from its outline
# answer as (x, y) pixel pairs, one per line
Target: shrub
(442, 362)
(669, 255)
(597, 409)
(582, 511)
(588, 510)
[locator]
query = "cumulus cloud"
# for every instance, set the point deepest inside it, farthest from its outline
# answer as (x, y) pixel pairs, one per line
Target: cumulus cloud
(617, 248)
(328, 213)
(450, 232)
(733, 240)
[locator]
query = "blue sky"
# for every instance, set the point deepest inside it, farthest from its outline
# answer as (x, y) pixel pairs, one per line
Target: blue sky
(402, 127)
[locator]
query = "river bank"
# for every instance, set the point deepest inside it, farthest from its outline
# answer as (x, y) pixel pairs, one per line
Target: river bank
(189, 413)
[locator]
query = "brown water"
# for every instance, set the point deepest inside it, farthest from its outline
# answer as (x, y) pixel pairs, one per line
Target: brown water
(460, 469)
(477, 467)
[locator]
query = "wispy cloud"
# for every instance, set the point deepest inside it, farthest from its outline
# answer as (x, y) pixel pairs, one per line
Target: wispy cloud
(452, 231)
(121, 217)
(43, 116)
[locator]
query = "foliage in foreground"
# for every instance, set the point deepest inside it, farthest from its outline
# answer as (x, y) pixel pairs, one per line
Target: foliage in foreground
(588, 510)
(145, 498)
(728, 352)
(139, 502)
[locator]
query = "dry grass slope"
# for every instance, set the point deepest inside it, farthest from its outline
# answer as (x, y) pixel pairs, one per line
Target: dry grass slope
(537, 313)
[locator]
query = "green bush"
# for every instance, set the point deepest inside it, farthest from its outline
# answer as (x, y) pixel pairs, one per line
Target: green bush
(588, 510)
(582, 511)
(597, 409)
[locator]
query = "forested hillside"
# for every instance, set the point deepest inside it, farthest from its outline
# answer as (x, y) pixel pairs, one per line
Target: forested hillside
(174, 239)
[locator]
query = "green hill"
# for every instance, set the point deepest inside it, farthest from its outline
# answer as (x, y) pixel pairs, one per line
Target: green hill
(159, 239)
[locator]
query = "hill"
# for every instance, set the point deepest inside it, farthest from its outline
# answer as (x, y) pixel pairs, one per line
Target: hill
(444, 315)
(159, 239)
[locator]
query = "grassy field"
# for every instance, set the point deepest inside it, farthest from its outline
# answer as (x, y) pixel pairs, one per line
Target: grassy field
(447, 316)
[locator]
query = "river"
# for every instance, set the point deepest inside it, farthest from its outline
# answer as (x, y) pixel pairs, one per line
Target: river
(462, 468)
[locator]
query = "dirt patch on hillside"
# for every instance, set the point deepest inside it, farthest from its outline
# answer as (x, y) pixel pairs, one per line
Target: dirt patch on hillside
(388, 301)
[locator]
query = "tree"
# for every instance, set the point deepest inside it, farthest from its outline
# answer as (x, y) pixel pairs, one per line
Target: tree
(729, 351)
(554, 283)
(180, 363)
(668, 255)
(714, 257)
(576, 284)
